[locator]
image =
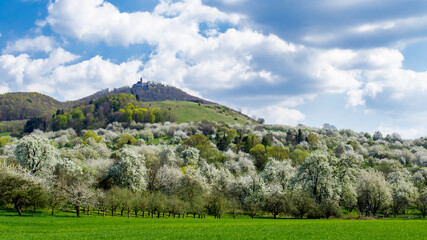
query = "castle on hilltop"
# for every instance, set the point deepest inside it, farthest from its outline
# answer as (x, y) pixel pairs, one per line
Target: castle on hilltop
(146, 85)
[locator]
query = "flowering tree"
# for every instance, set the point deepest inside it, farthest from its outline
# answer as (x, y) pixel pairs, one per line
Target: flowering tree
(373, 192)
(129, 170)
(36, 154)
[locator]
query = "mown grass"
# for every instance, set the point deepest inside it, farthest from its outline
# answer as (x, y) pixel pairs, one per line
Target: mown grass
(190, 111)
(66, 226)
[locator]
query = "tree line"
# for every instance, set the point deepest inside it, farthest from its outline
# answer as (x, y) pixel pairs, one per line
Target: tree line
(208, 168)
(123, 108)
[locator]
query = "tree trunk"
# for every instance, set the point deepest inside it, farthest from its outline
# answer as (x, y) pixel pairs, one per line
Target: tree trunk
(121, 213)
(274, 216)
(88, 211)
(158, 214)
(53, 210)
(78, 211)
(136, 213)
(103, 213)
(18, 208)
(128, 213)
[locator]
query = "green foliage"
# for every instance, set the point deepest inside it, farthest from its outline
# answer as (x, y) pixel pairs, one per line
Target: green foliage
(19, 191)
(76, 113)
(59, 122)
(313, 139)
(92, 135)
(277, 153)
(20, 106)
(197, 140)
(260, 155)
(125, 139)
(298, 156)
(35, 123)
(5, 140)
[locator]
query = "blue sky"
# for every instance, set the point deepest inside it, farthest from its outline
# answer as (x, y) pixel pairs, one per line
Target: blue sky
(357, 64)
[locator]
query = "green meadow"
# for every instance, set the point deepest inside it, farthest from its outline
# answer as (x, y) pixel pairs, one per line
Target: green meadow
(190, 111)
(64, 226)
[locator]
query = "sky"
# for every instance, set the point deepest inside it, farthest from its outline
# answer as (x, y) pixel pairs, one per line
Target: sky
(356, 64)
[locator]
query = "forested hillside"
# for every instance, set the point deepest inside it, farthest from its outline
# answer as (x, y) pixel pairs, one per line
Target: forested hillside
(145, 102)
(215, 168)
(20, 106)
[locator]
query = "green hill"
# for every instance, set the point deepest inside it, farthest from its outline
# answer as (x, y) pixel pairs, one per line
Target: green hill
(143, 102)
(26, 105)
(190, 111)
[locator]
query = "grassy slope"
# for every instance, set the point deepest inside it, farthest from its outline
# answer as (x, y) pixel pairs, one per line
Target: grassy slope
(190, 111)
(67, 227)
(8, 126)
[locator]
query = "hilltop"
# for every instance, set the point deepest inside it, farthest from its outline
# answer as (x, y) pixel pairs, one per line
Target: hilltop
(143, 102)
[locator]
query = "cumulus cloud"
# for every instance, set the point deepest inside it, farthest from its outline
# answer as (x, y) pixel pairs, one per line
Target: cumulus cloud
(99, 20)
(238, 57)
(217, 55)
(89, 76)
(276, 114)
(56, 75)
(38, 44)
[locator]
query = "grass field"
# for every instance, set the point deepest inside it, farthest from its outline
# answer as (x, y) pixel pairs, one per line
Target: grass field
(8, 126)
(5, 134)
(94, 227)
(190, 111)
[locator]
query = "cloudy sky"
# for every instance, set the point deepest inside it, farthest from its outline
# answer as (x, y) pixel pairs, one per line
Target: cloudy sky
(358, 64)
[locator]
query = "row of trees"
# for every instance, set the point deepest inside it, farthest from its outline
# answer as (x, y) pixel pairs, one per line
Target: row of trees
(211, 168)
(123, 108)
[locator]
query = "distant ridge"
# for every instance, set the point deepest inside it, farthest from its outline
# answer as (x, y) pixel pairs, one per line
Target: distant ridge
(19, 106)
(149, 92)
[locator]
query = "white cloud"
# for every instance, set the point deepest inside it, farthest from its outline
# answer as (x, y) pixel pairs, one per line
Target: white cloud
(56, 75)
(208, 61)
(407, 133)
(87, 77)
(99, 20)
(3, 88)
(240, 56)
(38, 44)
(276, 114)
